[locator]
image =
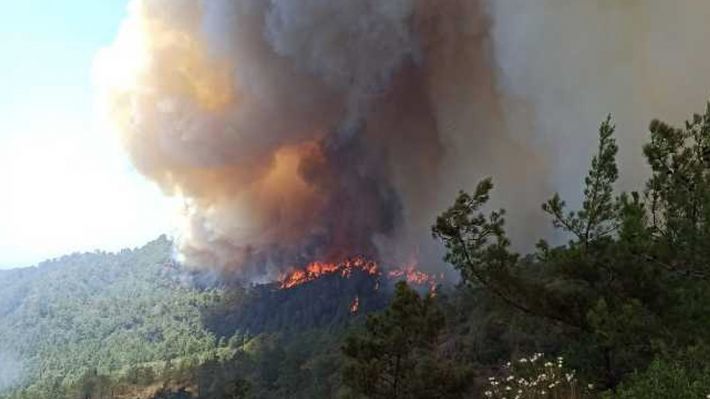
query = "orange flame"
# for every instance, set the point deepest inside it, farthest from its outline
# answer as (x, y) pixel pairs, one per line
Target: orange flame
(316, 270)
(414, 276)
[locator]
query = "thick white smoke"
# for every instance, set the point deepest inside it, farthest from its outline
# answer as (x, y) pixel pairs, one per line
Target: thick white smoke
(298, 130)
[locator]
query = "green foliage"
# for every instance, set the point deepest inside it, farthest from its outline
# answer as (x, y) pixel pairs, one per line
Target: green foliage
(76, 320)
(135, 322)
(679, 193)
(630, 283)
(396, 356)
(220, 380)
(477, 245)
(625, 300)
(685, 376)
(536, 377)
(598, 215)
(473, 238)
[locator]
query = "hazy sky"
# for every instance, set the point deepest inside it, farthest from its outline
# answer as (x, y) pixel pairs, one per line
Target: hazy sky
(65, 183)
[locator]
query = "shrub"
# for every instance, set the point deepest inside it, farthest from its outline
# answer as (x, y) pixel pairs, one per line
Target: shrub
(536, 377)
(668, 379)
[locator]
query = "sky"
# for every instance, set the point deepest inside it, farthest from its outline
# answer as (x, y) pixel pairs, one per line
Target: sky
(65, 183)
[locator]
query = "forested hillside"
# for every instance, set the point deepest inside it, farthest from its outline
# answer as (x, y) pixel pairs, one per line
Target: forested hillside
(618, 311)
(133, 323)
(100, 311)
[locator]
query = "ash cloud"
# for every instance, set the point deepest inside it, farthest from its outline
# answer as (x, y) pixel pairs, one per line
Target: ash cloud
(300, 130)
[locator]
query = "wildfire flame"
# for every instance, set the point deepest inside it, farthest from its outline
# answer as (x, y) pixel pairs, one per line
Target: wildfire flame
(315, 270)
(414, 276)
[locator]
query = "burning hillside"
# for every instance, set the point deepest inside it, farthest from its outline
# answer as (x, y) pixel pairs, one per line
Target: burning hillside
(347, 267)
(331, 299)
(316, 270)
(320, 294)
(416, 277)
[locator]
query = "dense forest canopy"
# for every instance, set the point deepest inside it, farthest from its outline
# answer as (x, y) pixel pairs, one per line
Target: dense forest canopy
(132, 323)
(619, 310)
(100, 311)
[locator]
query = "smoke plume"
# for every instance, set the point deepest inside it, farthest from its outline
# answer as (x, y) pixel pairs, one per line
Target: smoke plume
(10, 371)
(300, 130)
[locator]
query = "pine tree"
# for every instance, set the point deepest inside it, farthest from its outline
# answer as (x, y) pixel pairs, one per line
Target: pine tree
(396, 356)
(596, 292)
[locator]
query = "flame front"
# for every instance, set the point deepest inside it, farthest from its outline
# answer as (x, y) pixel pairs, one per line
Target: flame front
(315, 270)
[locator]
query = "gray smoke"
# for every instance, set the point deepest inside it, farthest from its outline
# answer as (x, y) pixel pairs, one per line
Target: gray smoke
(298, 130)
(10, 371)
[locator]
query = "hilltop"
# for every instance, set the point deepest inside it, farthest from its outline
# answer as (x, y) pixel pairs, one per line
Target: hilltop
(140, 322)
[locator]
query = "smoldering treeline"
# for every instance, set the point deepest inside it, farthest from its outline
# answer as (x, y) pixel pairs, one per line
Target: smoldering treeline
(314, 129)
